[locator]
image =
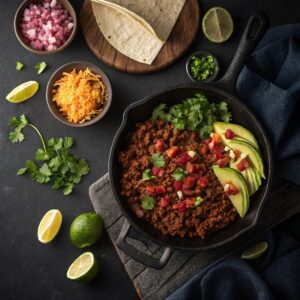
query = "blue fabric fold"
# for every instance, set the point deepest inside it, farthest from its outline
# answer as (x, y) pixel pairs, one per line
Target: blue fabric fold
(270, 85)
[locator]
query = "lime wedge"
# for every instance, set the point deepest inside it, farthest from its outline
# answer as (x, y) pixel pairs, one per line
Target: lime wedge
(217, 25)
(49, 226)
(255, 251)
(23, 92)
(84, 268)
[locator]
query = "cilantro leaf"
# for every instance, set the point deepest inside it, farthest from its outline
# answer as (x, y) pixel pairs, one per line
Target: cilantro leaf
(16, 136)
(148, 203)
(19, 66)
(22, 171)
(45, 170)
(40, 67)
(146, 175)
(68, 142)
(158, 160)
(159, 113)
(68, 189)
(179, 174)
(41, 154)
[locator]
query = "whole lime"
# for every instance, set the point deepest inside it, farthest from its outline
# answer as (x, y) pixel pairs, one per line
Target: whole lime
(86, 229)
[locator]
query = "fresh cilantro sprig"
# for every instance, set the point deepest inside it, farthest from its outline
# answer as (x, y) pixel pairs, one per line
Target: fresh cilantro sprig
(40, 67)
(158, 160)
(196, 114)
(57, 165)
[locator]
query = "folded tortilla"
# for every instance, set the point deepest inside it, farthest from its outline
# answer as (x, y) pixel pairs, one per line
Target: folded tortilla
(137, 28)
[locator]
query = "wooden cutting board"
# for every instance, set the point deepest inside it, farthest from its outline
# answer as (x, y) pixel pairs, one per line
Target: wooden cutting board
(180, 39)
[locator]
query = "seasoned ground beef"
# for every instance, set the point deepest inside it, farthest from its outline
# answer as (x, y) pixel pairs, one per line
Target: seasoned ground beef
(193, 206)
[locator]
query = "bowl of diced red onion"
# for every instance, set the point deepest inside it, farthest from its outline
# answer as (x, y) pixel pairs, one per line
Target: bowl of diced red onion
(45, 26)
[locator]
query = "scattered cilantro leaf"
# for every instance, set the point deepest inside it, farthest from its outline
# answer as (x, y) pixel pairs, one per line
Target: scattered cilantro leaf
(148, 203)
(198, 201)
(40, 67)
(158, 160)
(146, 175)
(19, 66)
(179, 174)
(60, 168)
(196, 113)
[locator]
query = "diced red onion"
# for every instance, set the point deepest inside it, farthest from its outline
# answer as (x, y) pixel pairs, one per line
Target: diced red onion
(46, 26)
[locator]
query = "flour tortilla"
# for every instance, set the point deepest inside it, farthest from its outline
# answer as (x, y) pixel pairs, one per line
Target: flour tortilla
(126, 34)
(140, 20)
(137, 28)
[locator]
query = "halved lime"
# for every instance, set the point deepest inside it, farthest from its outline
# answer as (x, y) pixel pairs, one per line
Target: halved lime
(255, 251)
(84, 268)
(23, 92)
(49, 226)
(217, 25)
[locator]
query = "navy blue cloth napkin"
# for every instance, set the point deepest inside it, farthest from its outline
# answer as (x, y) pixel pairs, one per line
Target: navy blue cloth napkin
(270, 85)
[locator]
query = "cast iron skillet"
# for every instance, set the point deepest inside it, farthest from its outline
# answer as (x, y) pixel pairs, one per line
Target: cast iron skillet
(224, 89)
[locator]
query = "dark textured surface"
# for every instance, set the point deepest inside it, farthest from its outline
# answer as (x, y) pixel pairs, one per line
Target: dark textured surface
(30, 270)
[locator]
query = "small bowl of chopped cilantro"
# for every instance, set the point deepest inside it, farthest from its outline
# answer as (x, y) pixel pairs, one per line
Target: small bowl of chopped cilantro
(202, 66)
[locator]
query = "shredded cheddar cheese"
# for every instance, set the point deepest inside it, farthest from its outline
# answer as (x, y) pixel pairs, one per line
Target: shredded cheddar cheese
(80, 95)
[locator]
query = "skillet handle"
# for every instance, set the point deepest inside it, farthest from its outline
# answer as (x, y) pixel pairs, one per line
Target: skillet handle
(136, 254)
(254, 31)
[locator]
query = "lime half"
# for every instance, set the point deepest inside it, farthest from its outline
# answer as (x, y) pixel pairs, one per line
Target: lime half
(49, 226)
(84, 268)
(23, 92)
(255, 251)
(217, 25)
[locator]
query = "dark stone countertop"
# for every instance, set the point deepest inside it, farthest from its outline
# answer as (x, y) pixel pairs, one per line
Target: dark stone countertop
(30, 270)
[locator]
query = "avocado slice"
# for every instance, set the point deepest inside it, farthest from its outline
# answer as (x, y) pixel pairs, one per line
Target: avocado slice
(240, 132)
(241, 200)
(253, 155)
(248, 175)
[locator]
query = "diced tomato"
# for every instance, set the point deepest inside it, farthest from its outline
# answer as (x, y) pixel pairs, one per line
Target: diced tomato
(203, 182)
(164, 201)
(223, 162)
(237, 154)
(155, 171)
(203, 149)
(173, 151)
(229, 134)
(189, 202)
(160, 145)
(161, 173)
(160, 189)
(189, 182)
(233, 190)
(218, 156)
(181, 206)
(216, 138)
(242, 165)
(217, 148)
(178, 185)
(191, 168)
(150, 190)
(183, 159)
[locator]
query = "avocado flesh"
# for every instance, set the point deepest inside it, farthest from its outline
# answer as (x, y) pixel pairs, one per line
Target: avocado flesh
(253, 155)
(240, 132)
(241, 200)
(249, 176)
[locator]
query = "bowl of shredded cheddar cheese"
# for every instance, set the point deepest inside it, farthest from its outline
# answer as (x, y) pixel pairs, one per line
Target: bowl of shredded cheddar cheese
(79, 94)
